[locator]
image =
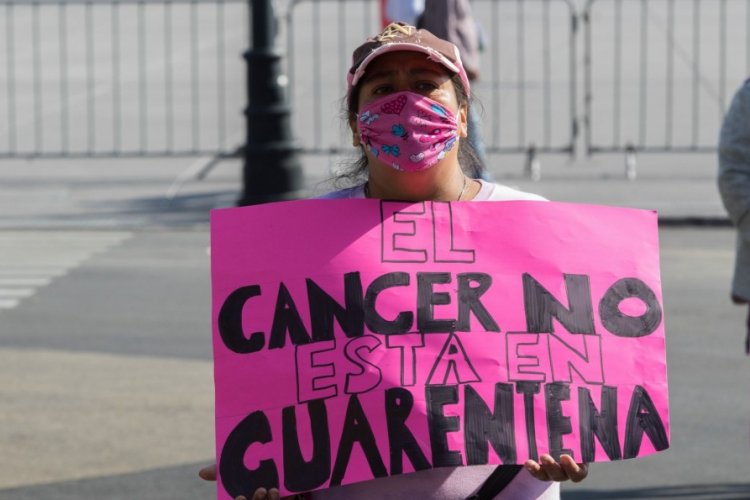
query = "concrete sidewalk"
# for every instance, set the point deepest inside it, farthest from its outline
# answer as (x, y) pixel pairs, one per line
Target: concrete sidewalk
(681, 188)
(131, 194)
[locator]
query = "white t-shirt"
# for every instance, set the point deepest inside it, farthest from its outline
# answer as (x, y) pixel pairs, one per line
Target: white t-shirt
(444, 483)
(488, 192)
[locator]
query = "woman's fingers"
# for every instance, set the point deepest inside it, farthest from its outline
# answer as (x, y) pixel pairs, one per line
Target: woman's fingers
(260, 494)
(576, 472)
(547, 469)
(208, 473)
(552, 468)
(536, 470)
(263, 494)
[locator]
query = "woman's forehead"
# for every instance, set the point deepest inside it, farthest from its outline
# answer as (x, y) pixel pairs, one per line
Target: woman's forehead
(401, 60)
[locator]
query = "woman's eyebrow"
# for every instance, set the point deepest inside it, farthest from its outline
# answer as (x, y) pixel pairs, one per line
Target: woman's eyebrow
(431, 71)
(385, 73)
(378, 74)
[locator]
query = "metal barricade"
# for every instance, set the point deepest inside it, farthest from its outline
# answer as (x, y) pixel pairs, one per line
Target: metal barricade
(108, 78)
(659, 73)
(121, 78)
(527, 88)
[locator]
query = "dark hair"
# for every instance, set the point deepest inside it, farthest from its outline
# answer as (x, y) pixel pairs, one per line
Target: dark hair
(467, 156)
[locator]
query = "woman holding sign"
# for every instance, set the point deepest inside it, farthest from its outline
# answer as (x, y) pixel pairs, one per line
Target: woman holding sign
(408, 105)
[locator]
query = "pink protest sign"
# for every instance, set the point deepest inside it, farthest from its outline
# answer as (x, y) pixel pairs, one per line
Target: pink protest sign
(357, 339)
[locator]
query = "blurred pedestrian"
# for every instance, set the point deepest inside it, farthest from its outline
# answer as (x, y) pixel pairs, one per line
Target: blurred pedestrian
(734, 186)
(454, 21)
(405, 11)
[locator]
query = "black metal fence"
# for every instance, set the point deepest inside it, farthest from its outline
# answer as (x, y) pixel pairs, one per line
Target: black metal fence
(94, 78)
(121, 77)
(659, 73)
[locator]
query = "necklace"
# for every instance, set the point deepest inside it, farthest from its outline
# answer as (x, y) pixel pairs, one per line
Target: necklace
(463, 189)
(366, 189)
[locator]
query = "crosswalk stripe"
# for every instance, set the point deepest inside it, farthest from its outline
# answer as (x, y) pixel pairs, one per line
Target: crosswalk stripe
(30, 260)
(16, 292)
(33, 271)
(25, 281)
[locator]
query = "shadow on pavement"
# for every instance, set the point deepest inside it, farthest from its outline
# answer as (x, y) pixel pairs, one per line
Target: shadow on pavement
(157, 484)
(732, 491)
(180, 211)
(198, 204)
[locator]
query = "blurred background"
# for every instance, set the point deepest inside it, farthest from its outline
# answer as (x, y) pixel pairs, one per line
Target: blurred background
(124, 122)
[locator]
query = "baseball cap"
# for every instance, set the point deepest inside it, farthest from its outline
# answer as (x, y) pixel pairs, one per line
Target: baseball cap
(401, 37)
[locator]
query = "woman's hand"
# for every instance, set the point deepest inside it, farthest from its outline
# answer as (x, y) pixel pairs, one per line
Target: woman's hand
(209, 474)
(549, 470)
(263, 494)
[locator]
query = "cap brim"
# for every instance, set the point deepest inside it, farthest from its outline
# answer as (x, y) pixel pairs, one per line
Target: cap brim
(432, 55)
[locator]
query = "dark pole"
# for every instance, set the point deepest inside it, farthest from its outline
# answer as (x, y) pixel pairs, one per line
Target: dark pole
(272, 171)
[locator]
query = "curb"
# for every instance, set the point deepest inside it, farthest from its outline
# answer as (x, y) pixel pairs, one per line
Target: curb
(694, 221)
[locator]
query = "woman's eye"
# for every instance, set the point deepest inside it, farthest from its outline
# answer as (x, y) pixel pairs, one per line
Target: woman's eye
(426, 86)
(382, 89)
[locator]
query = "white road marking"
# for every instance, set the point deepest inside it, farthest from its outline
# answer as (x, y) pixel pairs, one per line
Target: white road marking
(25, 281)
(29, 271)
(6, 293)
(8, 303)
(30, 260)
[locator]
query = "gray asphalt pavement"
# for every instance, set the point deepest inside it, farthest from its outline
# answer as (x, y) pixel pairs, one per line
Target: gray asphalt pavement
(108, 359)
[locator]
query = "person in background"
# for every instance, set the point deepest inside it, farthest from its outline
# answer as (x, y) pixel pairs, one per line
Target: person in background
(408, 108)
(454, 21)
(406, 11)
(734, 187)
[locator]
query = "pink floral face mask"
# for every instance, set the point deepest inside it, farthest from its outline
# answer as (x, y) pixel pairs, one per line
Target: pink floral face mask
(407, 131)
